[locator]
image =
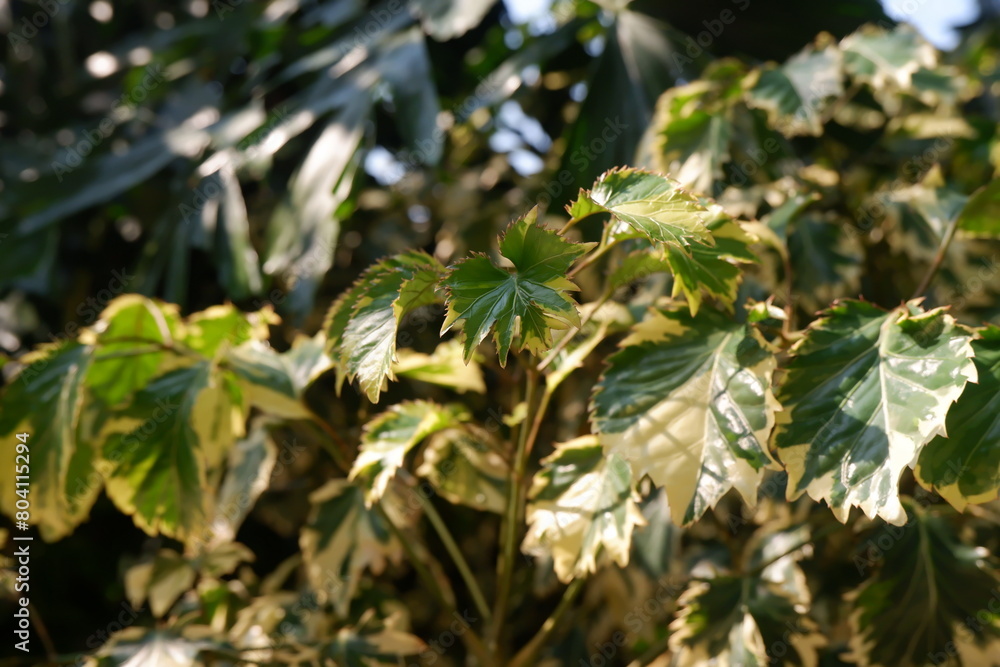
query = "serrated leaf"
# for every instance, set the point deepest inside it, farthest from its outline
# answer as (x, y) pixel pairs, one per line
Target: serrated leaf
(116, 372)
(362, 325)
(687, 400)
(910, 613)
(529, 300)
(465, 471)
(653, 205)
(46, 400)
(389, 437)
(343, 539)
(445, 366)
(582, 509)
(965, 467)
(175, 429)
(712, 269)
(795, 94)
(753, 619)
(864, 392)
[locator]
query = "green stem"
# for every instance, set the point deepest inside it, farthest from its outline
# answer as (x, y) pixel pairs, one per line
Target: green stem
(942, 251)
(564, 341)
(508, 537)
(526, 656)
(456, 555)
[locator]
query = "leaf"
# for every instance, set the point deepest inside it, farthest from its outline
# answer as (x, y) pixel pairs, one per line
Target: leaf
(711, 268)
(980, 218)
(965, 467)
(161, 580)
(864, 392)
(529, 301)
(886, 60)
(119, 369)
(582, 509)
(389, 437)
(755, 619)
(248, 474)
(179, 425)
(464, 470)
(653, 205)
(636, 266)
(447, 19)
(362, 325)
(826, 262)
(795, 94)
(909, 613)
(271, 381)
(366, 647)
(406, 67)
(46, 400)
(219, 328)
(444, 367)
(687, 401)
(139, 647)
(344, 539)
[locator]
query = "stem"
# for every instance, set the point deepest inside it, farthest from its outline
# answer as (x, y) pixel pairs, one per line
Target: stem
(469, 637)
(526, 656)
(564, 341)
(590, 259)
(43, 632)
(456, 556)
(938, 258)
(508, 537)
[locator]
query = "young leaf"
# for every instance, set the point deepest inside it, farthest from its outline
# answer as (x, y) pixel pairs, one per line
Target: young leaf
(965, 467)
(465, 471)
(932, 599)
(390, 436)
(653, 205)
(865, 391)
(582, 509)
(754, 619)
(362, 325)
(343, 539)
(529, 300)
(712, 269)
(178, 426)
(46, 401)
(688, 401)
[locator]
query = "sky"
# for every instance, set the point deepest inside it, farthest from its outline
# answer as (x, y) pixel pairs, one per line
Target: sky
(935, 19)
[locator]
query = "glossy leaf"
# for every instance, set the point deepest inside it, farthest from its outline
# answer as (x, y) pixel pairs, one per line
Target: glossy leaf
(687, 400)
(865, 391)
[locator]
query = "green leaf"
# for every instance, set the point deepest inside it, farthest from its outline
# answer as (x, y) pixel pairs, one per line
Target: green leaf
(465, 470)
(582, 509)
(121, 368)
(687, 400)
(175, 429)
(218, 328)
(754, 619)
(362, 325)
(274, 382)
(390, 436)
(343, 539)
(529, 300)
(445, 367)
(981, 215)
(46, 401)
(933, 598)
(711, 268)
(826, 261)
(886, 60)
(636, 266)
(653, 205)
(864, 392)
(795, 94)
(965, 467)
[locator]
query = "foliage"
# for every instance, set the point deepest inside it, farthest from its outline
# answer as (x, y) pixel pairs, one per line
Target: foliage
(798, 311)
